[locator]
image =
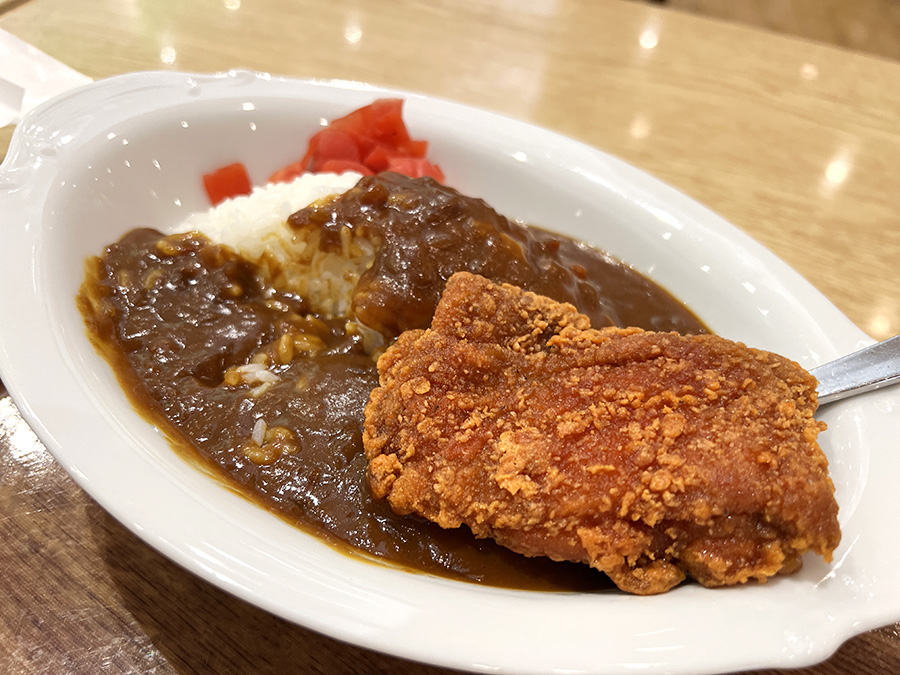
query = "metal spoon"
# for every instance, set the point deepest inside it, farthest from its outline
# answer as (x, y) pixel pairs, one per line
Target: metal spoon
(869, 368)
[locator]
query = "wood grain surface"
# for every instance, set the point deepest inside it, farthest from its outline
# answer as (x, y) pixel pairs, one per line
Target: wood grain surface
(796, 143)
(871, 26)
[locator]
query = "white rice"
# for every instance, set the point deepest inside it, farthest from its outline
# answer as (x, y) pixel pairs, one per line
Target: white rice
(246, 223)
(255, 225)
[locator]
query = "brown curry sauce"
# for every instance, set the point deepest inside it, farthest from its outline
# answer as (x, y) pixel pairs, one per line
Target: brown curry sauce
(178, 316)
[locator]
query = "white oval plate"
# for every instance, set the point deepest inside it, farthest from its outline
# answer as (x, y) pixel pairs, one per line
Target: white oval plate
(129, 152)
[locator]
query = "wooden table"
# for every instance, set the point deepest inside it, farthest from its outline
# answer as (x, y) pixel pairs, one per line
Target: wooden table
(794, 142)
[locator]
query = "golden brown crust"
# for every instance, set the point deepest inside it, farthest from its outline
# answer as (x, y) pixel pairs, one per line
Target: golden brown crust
(647, 455)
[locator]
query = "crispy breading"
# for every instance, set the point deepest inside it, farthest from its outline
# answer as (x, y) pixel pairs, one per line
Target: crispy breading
(646, 455)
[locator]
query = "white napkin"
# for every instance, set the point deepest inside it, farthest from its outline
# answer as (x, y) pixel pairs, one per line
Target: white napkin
(29, 77)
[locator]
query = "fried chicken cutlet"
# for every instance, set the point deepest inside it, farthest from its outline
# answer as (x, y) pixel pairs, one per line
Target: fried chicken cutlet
(649, 456)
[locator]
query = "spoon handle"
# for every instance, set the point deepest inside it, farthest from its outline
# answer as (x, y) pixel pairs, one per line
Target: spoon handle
(870, 368)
